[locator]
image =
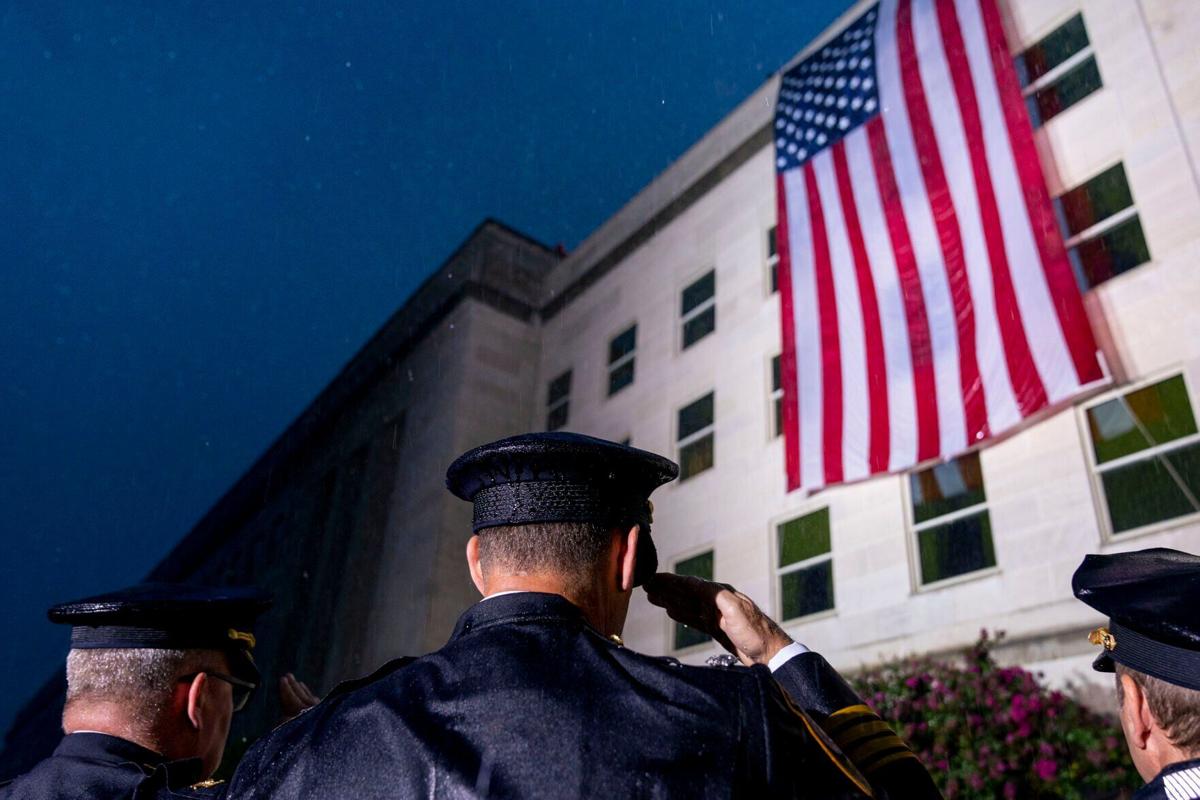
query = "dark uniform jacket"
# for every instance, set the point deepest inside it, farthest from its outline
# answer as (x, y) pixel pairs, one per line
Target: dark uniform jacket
(1179, 781)
(873, 747)
(102, 767)
(527, 700)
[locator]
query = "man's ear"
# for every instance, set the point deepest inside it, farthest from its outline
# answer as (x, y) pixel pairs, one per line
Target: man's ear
(474, 565)
(627, 558)
(198, 701)
(1136, 718)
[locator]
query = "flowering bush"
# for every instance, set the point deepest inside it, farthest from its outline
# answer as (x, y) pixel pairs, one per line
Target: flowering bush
(986, 731)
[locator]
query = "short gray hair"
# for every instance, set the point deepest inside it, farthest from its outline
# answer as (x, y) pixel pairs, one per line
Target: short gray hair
(141, 679)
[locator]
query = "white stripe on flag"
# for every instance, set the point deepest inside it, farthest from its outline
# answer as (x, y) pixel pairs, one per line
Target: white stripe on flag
(892, 317)
(808, 330)
(855, 399)
(998, 391)
(1046, 338)
(943, 328)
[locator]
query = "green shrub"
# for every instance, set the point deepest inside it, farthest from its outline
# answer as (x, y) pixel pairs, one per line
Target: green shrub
(986, 731)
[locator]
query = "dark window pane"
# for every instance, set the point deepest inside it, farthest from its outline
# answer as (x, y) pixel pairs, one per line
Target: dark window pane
(1064, 42)
(686, 637)
(1159, 488)
(947, 487)
(698, 566)
(696, 416)
(775, 277)
(1050, 101)
(776, 373)
(778, 430)
(1117, 250)
(1150, 416)
(698, 292)
(804, 537)
(560, 387)
(956, 548)
(699, 326)
(622, 344)
(771, 242)
(557, 417)
(1096, 200)
(620, 377)
(807, 591)
(696, 457)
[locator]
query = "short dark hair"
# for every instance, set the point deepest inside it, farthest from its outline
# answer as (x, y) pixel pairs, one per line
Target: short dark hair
(1176, 708)
(573, 549)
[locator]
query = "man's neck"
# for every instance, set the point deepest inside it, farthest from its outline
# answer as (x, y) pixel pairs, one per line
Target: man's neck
(589, 598)
(107, 719)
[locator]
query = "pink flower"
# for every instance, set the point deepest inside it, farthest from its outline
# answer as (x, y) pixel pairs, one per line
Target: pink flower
(1046, 768)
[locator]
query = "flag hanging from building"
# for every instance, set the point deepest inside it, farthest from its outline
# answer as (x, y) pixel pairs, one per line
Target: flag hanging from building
(927, 300)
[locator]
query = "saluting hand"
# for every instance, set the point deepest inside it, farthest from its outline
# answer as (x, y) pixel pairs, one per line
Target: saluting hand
(721, 611)
(294, 697)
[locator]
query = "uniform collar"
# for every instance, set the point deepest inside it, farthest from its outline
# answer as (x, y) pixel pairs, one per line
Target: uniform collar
(516, 607)
(104, 747)
(1178, 780)
(115, 750)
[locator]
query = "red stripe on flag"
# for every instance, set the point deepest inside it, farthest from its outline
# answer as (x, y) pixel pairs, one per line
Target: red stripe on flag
(787, 359)
(946, 220)
(831, 351)
(919, 342)
(1022, 371)
(872, 328)
(1072, 317)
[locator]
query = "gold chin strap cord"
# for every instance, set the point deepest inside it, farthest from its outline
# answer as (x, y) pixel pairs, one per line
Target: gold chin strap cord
(242, 636)
(1102, 636)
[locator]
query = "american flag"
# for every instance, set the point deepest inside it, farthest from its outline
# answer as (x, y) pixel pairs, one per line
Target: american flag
(927, 300)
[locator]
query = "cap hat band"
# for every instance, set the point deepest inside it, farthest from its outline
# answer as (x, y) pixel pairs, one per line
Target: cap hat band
(1176, 665)
(94, 637)
(555, 501)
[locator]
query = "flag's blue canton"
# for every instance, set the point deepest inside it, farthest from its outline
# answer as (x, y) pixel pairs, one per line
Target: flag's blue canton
(828, 95)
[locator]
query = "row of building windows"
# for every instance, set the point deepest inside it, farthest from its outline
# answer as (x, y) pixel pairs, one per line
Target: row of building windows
(698, 318)
(1098, 219)
(1145, 460)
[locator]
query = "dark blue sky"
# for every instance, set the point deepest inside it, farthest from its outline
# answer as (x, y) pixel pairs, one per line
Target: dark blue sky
(207, 207)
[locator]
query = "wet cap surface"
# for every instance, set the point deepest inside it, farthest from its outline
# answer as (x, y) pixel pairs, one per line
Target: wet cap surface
(1152, 599)
(168, 616)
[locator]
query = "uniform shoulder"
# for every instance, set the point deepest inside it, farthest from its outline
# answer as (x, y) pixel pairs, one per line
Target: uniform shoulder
(729, 680)
(354, 684)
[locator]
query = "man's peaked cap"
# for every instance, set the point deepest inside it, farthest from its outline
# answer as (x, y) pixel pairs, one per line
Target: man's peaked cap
(563, 477)
(1152, 599)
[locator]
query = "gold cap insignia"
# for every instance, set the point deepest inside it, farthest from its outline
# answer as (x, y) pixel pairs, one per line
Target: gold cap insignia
(1102, 636)
(242, 636)
(616, 637)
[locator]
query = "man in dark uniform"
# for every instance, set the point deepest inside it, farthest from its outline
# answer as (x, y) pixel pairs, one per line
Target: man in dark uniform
(534, 695)
(1152, 643)
(740, 626)
(154, 675)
